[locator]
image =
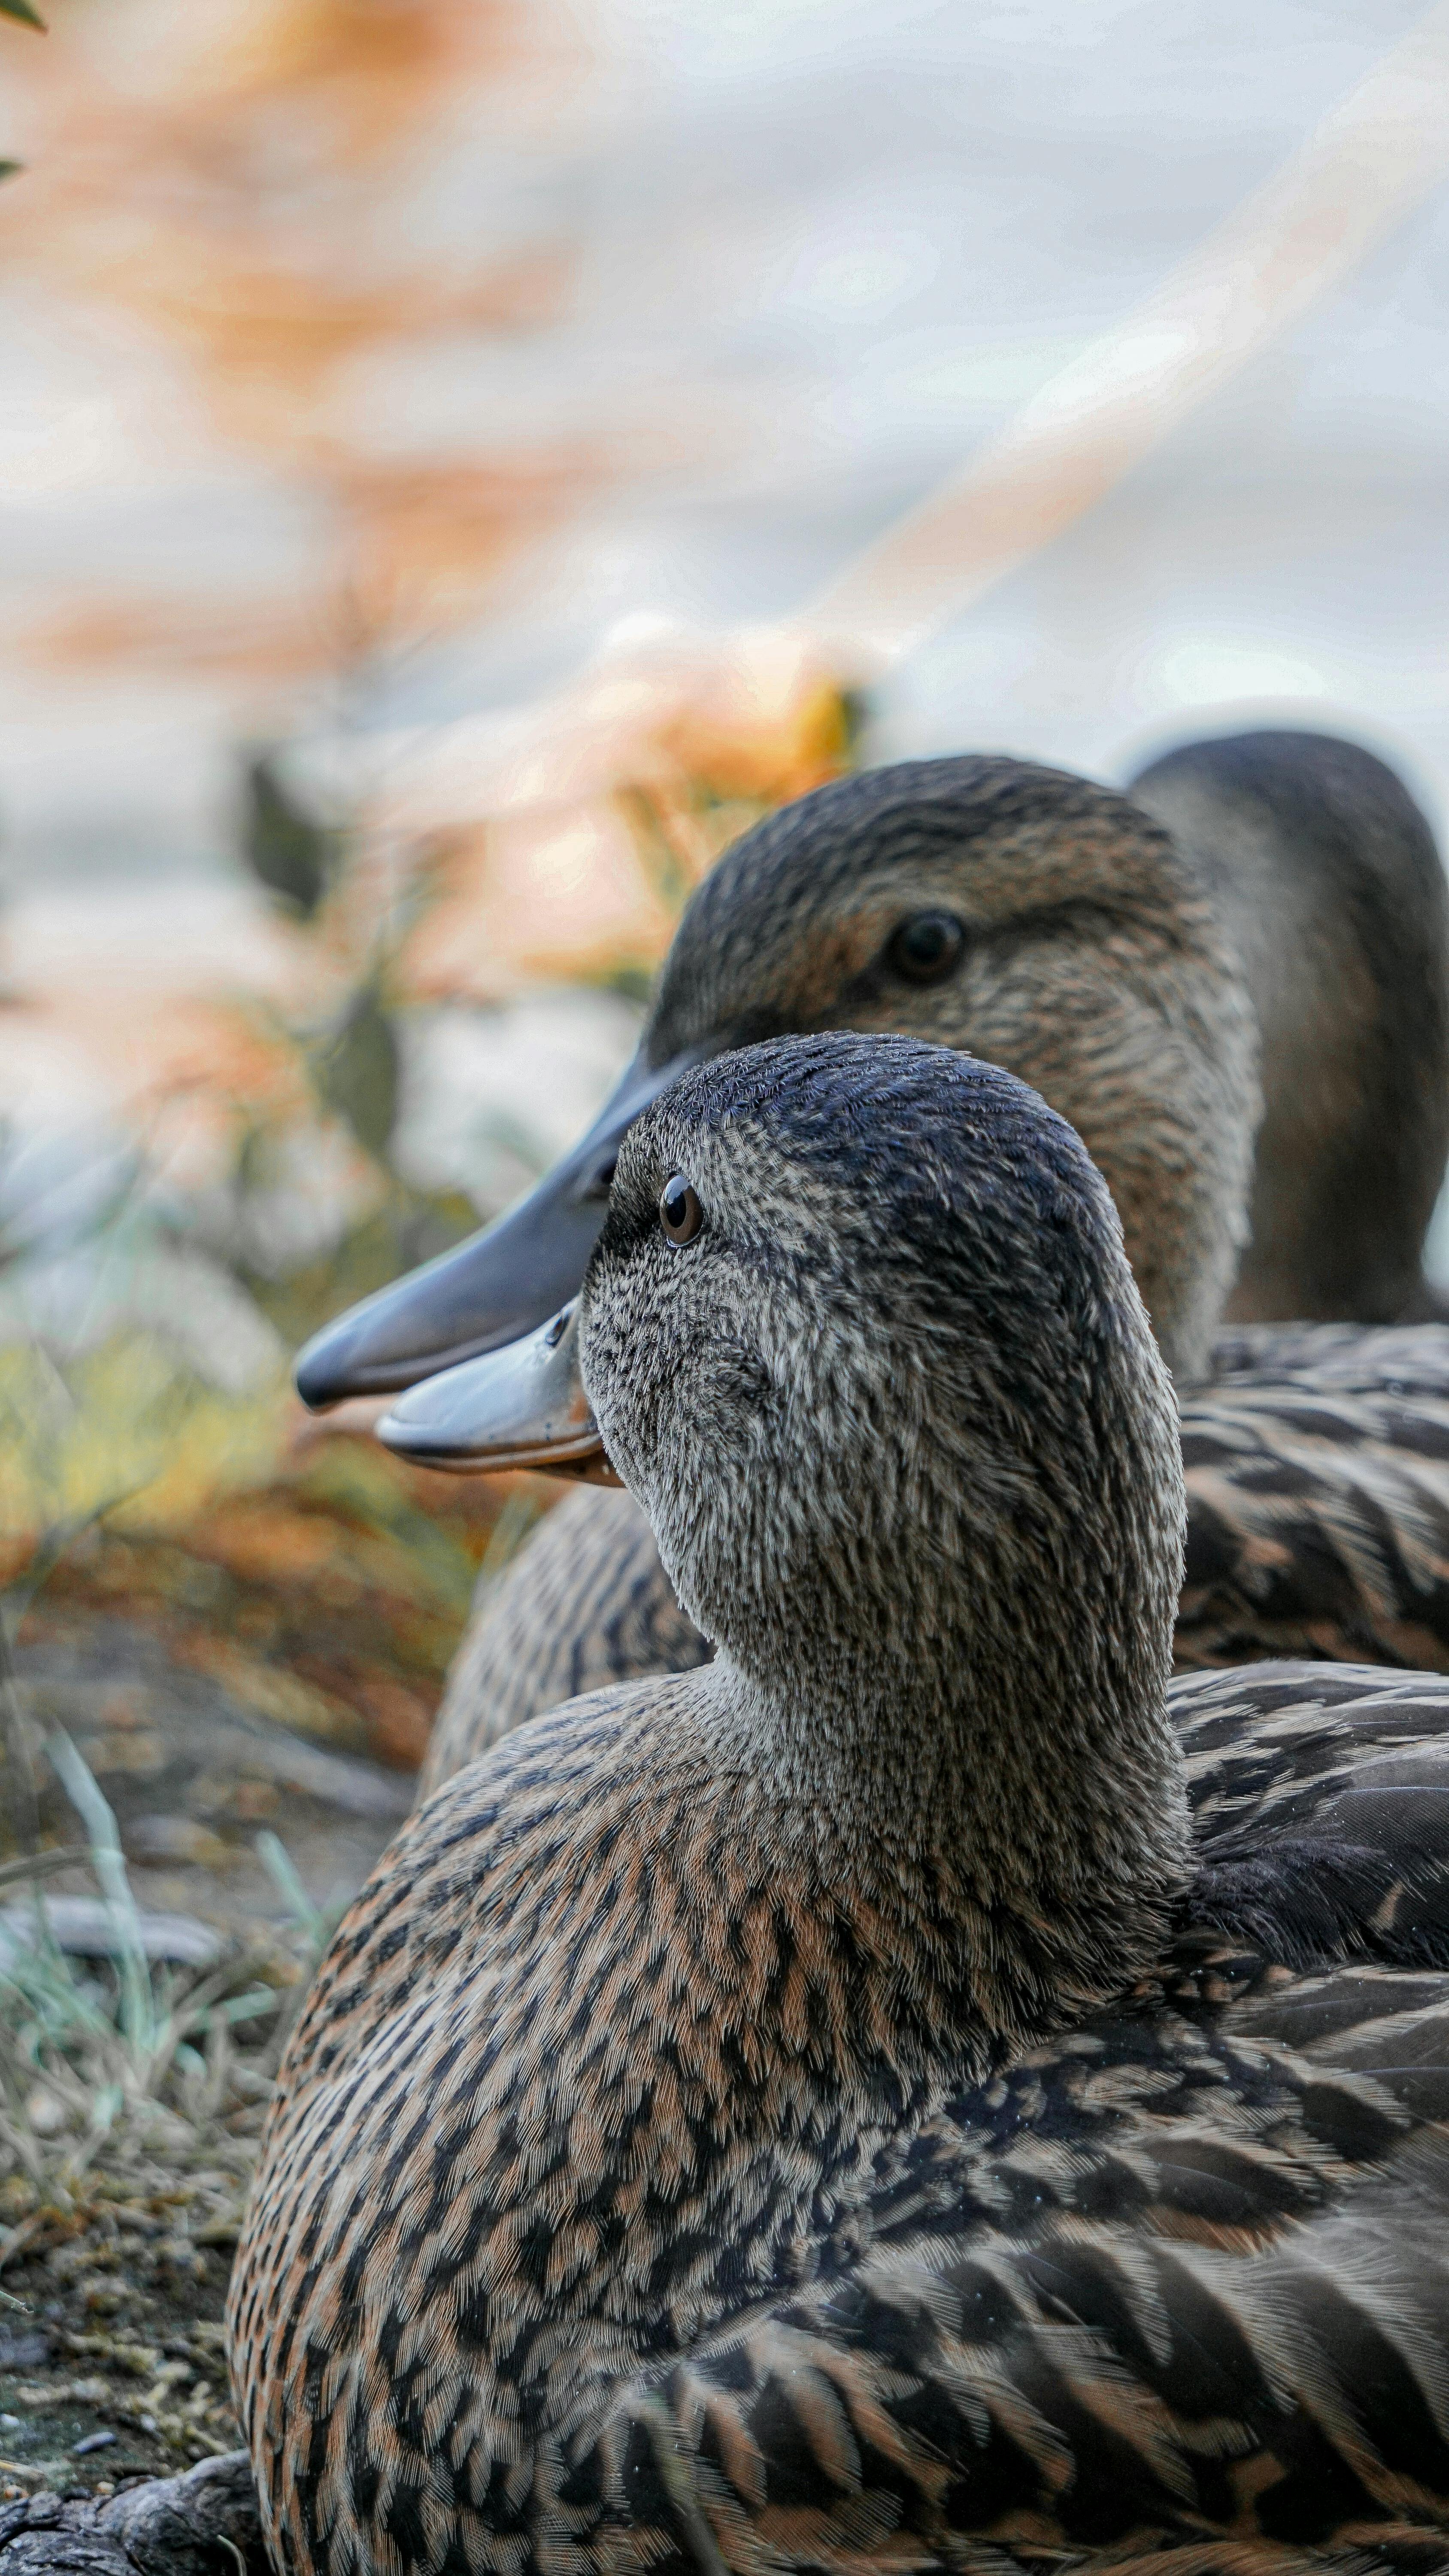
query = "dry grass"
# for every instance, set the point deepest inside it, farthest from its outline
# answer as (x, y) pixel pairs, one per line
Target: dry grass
(131, 2102)
(132, 2094)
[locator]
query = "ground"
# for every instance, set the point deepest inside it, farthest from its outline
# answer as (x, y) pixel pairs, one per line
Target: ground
(251, 1702)
(112, 2360)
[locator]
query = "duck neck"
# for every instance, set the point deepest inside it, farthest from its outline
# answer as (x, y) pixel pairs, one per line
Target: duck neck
(1164, 1093)
(1040, 1791)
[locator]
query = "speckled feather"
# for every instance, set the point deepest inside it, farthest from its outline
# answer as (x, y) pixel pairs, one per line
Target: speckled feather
(814, 2111)
(1185, 2269)
(1318, 1497)
(1317, 1467)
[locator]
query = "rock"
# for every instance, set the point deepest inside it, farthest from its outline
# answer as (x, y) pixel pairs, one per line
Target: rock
(203, 2524)
(171, 1841)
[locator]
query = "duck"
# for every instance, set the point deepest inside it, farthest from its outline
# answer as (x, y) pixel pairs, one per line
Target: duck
(1327, 876)
(918, 2090)
(1060, 929)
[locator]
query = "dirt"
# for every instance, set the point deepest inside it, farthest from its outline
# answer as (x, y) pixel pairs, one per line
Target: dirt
(112, 2348)
(194, 1770)
(271, 1672)
(203, 1733)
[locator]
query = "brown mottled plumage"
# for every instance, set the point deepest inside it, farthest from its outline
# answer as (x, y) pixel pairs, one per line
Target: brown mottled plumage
(1318, 1497)
(818, 2111)
(1317, 1466)
(1318, 1474)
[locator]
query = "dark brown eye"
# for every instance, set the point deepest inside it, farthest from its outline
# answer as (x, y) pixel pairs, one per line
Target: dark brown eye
(680, 1213)
(926, 947)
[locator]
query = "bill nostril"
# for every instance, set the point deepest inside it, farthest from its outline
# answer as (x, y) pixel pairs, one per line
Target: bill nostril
(557, 1329)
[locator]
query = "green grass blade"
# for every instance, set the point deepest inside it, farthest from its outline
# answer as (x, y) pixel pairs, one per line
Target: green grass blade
(138, 2014)
(277, 1861)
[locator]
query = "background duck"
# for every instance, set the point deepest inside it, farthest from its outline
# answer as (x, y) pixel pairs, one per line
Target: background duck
(1050, 925)
(1326, 875)
(825, 2107)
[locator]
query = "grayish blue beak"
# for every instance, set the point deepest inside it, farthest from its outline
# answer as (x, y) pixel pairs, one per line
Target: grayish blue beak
(523, 1406)
(500, 1283)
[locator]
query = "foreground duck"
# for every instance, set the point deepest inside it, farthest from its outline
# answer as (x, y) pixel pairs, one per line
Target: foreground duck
(826, 2109)
(1054, 927)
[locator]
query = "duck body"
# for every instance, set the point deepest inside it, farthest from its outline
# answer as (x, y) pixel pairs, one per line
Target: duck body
(832, 2106)
(1181, 2273)
(650, 2028)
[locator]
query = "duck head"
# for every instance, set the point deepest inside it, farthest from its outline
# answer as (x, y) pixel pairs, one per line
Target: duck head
(1041, 922)
(860, 1337)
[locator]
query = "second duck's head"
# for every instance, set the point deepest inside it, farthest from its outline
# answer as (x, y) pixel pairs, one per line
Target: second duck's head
(859, 1335)
(1030, 917)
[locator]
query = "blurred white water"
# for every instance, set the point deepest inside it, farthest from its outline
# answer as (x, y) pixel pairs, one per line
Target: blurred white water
(828, 251)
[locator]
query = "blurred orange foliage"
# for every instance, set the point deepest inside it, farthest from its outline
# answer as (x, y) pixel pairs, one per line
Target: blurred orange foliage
(649, 770)
(292, 209)
(248, 181)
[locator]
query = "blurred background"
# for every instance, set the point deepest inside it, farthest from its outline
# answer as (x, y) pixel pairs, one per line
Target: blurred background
(440, 441)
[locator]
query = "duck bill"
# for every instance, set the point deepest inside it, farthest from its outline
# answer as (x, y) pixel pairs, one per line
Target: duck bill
(497, 1285)
(523, 1406)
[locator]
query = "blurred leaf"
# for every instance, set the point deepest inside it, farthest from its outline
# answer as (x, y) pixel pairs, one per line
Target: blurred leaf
(131, 1426)
(412, 1546)
(357, 1072)
(293, 854)
(667, 867)
(10, 170)
(635, 983)
(21, 9)
(857, 710)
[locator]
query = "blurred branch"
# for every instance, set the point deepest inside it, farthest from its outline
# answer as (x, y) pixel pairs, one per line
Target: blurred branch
(1381, 150)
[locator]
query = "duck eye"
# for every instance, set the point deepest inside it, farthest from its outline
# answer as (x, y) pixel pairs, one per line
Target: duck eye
(680, 1213)
(926, 947)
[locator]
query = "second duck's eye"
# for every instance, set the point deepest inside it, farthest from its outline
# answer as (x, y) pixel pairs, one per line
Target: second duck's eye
(926, 947)
(680, 1213)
